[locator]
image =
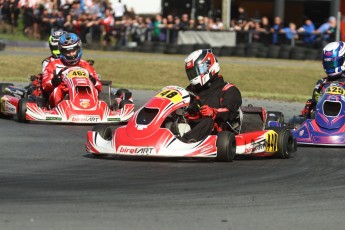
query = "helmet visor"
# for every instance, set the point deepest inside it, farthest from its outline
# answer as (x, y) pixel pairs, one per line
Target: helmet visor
(197, 70)
(70, 53)
(334, 63)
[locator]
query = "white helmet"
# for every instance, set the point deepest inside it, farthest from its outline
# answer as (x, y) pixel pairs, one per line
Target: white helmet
(333, 58)
(201, 67)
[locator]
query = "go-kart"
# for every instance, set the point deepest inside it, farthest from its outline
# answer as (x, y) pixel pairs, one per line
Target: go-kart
(82, 104)
(326, 125)
(149, 133)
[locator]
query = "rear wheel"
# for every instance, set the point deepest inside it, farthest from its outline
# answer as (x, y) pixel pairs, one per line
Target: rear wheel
(124, 102)
(286, 142)
(3, 86)
(226, 146)
(21, 113)
(296, 122)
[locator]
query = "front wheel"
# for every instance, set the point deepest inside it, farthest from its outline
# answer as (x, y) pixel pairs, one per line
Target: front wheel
(104, 131)
(21, 112)
(226, 146)
(286, 142)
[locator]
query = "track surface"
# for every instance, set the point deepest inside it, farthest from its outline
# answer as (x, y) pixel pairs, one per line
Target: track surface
(48, 181)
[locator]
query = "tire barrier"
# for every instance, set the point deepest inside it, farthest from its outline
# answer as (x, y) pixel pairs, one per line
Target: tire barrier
(2, 45)
(254, 49)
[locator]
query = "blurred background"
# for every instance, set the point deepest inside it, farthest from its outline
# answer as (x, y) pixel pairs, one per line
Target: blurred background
(291, 29)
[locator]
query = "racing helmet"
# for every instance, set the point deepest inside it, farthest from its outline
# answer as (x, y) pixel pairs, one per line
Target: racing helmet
(54, 42)
(201, 67)
(333, 58)
(70, 49)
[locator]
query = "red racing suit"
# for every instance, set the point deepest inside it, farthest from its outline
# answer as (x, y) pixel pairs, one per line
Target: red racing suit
(57, 93)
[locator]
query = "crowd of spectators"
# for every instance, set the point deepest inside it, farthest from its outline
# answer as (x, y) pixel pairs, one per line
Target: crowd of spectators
(109, 22)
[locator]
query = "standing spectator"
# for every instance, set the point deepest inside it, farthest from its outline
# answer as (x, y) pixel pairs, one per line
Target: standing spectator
(108, 23)
(157, 28)
(264, 30)
(184, 24)
(242, 17)
(12, 14)
(307, 30)
(119, 9)
(149, 29)
(326, 32)
(275, 29)
(191, 25)
(290, 33)
(28, 15)
(200, 25)
(163, 30)
(37, 20)
(68, 25)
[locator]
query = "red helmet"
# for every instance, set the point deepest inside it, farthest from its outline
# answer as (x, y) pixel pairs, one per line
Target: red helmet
(201, 67)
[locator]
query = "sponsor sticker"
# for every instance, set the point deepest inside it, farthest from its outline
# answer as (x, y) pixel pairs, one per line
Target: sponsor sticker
(301, 132)
(140, 151)
(77, 73)
(85, 119)
(173, 95)
(84, 103)
(53, 118)
(114, 119)
(255, 147)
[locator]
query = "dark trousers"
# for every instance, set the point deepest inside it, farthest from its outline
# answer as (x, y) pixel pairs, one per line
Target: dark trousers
(200, 130)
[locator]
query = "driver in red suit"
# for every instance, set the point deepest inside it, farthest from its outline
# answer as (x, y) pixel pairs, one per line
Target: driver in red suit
(70, 56)
(216, 101)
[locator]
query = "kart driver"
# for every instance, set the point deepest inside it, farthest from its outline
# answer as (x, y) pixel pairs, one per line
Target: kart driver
(334, 66)
(34, 88)
(70, 56)
(54, 48)
(218, 101)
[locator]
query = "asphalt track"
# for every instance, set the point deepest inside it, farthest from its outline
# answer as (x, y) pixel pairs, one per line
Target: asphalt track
(48, 181)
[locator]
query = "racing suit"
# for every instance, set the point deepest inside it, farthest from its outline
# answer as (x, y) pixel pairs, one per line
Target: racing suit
(318, 90)
(35, 86)
(58, 90)
(219, 102)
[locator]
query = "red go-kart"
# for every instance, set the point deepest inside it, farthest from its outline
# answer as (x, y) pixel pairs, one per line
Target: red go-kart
(149, 133)
(82, 104)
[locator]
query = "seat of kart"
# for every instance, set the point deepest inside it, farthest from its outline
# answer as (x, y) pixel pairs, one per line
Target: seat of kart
(252, 120)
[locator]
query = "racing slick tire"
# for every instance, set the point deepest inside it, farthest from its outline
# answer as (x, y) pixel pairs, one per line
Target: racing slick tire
(226, 146)
(122, 93)
(124, 102)
(286, 142)
(104, 131)
(296, 121)
(3, 86)
(1, 114)
(21, 113)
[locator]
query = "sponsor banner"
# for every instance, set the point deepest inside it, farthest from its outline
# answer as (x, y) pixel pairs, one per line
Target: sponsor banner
(139, 151)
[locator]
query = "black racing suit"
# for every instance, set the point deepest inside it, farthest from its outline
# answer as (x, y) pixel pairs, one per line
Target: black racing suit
(224, 97)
